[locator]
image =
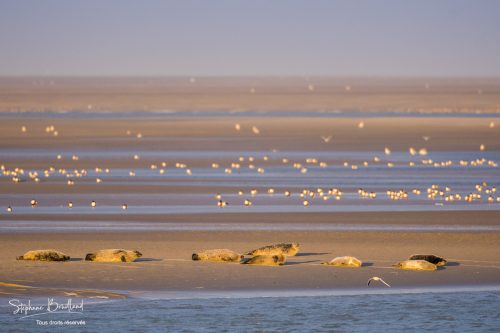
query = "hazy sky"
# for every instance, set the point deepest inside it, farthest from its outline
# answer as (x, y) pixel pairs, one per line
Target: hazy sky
(396, 38)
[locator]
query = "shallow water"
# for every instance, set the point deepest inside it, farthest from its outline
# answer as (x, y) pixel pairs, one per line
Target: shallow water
(168, 113)
(455, 311)
(88, 226)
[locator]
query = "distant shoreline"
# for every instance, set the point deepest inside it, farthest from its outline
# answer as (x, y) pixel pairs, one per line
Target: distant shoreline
(236, 94)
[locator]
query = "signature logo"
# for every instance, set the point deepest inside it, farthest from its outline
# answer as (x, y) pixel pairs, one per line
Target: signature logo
(25, 310)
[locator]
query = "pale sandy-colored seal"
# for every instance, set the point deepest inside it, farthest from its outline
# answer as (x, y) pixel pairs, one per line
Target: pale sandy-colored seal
(114, 255)
(438, 261)
(266, 260)
(416, 265)
(287, 249)
(346, 261)
(220, 255)
(44, 255)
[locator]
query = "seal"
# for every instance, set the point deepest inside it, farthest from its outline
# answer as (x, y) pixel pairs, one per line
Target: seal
(44, 255)
(287, 249)
(114, 255)
(346, 261)
(416, 265)
(266, 260)
(220, 255)
(438, 261)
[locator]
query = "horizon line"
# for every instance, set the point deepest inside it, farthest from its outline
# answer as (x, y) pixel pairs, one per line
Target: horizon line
(222, 76)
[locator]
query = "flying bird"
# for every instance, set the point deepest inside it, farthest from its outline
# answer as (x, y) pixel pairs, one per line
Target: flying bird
(326, 139)
(376, 278)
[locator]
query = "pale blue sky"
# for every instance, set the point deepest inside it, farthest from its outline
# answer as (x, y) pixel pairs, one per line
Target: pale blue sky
(363, 38)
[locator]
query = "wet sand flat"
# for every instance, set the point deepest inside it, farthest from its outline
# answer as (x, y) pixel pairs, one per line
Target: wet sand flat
(167, 265)
(171, 215)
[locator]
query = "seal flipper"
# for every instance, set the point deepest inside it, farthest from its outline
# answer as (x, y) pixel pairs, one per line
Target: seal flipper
(90, 257)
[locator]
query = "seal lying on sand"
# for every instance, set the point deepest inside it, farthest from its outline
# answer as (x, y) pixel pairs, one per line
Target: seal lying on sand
(346, 261)
(266, 260)
(217, 255)
(287, 249)
(416, 265)
(438, 261)
(44, 255)
(113, 255)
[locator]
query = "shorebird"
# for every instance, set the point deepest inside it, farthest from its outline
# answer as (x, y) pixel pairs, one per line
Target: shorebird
(221, 203)
(247, 203)
(237, 126)
(376, 278)
(326, 139)
(33, 203)
(361, 124)
(482, 147)
(255, 130)
(70, 204)
(422, 151)
(9, 209)
(387, 151)
(124, 206)
(305, 203)
(93, 204)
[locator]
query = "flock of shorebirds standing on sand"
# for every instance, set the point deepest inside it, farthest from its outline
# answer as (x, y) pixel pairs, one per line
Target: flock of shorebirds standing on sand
(482, 192)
